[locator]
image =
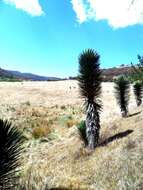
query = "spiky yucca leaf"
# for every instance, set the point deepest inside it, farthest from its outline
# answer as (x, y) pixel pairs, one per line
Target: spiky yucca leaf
(11, 141)
(122, 88)
(138, 89)
(90, 76)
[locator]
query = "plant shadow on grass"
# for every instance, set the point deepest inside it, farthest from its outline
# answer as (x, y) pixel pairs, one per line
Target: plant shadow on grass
(115, 137)
(134, 114)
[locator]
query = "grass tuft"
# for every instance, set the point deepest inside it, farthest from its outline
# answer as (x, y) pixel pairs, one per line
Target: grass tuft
(42, 131)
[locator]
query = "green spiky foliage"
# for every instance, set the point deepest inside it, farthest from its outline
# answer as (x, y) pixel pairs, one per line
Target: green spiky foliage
(122, 89)
(138, 89)
(11, 141)
(89, 81)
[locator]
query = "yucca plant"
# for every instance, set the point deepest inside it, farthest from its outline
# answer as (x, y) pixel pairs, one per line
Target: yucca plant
(138, 87)
(122, 89)
(89, 81)
(11, 141)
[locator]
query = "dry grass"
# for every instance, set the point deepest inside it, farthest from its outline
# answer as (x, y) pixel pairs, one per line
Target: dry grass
(42, 131)
(52, 109)
(68, 164)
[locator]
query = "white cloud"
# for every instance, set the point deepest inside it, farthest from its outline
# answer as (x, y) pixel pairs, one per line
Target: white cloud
(118, 13)
(30, 6)
(79, 8)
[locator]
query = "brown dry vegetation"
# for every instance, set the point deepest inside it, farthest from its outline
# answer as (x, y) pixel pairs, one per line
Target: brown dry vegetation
(56, 156)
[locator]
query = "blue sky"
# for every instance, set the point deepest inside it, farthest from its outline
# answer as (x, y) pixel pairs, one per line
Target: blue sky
(46, 37)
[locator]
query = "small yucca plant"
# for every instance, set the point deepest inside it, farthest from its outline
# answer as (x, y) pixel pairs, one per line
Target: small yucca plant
(138, 88)
(122, 89)
(89, 80)
(11, 141)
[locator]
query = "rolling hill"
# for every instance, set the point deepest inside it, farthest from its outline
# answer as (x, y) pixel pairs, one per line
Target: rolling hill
(8, 75)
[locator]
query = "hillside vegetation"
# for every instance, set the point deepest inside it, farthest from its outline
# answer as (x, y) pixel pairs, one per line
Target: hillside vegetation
(111, 73)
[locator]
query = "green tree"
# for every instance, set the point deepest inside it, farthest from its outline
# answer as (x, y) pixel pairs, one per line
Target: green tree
(89, 80)
(138, 88)
(137, 70)
(11, 141)
(122, 89)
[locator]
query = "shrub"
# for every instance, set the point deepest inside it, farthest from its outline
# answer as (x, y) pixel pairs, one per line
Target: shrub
(137, 70)
(41, 131)
(82, 131)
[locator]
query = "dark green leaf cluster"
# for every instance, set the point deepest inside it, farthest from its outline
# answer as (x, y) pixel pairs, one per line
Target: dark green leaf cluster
(90, 76)
(122, 89)
(11, 141)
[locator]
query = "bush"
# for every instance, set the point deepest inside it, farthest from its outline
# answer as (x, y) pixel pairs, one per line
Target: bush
(137, 70)
(42, 131)
(82, 130)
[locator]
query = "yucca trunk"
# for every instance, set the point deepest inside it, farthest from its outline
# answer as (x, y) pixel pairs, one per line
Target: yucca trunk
(124, 111)
(92, 126)
(139, 101)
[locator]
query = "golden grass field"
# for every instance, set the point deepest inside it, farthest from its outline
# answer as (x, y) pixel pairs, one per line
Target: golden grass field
(55, 156)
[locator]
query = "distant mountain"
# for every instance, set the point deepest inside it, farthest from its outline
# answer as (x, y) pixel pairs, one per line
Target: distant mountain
(16, 75)
(33, 77)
